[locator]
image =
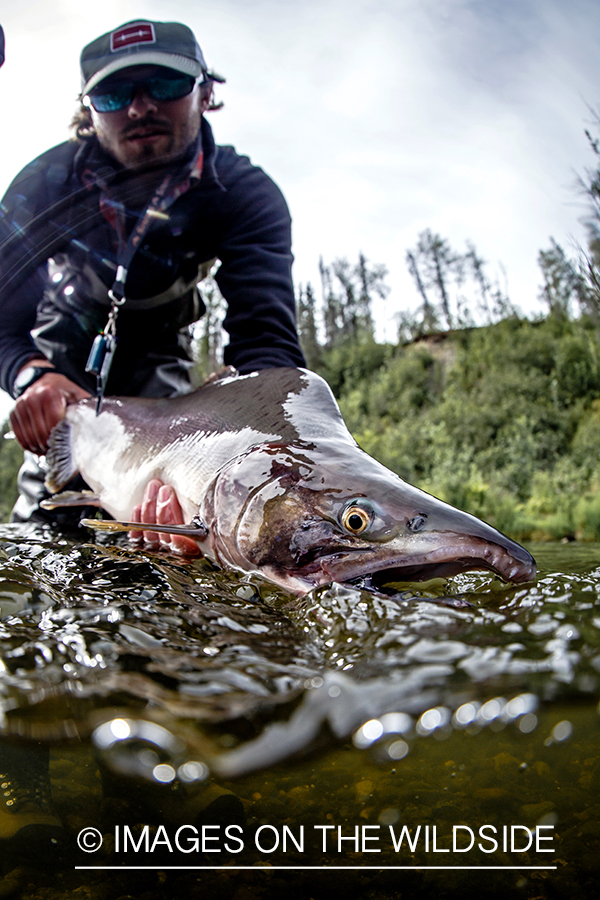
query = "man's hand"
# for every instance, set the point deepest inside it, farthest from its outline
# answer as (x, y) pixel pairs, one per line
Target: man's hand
(41, 407)
(160, 506)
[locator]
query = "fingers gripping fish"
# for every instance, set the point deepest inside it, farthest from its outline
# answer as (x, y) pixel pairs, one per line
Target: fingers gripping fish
(271, 480)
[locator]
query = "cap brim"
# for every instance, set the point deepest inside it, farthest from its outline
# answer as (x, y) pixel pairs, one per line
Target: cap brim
(146, 58)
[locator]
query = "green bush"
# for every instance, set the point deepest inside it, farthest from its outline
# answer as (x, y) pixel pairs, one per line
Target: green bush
(11, 457)
(503, 421)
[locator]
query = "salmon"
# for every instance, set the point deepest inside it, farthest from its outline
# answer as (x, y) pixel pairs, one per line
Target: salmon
(270, 480)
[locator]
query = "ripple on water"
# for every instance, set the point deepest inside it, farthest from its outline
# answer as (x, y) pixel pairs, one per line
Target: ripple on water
(462, 702)
(111, 626)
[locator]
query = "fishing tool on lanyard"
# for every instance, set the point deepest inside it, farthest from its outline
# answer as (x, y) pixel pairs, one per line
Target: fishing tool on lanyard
(104, 345)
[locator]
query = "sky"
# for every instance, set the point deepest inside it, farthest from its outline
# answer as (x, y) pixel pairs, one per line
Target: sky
(377, 118)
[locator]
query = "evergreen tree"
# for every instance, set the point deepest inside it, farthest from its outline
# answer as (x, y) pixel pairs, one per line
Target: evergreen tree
(333, 319)
(348, 294)
(11, 458)
(590, 262)
(492, 302)
(563, 281)
(590, 184)
(446, 281)
(307, 326)
(434, 266)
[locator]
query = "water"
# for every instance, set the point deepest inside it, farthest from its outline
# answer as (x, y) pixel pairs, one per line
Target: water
(462, 711)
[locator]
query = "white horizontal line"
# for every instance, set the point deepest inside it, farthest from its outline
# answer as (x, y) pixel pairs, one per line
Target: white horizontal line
(324, 868)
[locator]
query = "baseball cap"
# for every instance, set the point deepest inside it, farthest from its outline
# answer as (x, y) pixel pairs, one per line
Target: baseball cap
(142, 43)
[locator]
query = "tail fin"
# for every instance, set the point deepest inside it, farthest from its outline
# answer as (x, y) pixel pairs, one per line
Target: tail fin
(61, 467)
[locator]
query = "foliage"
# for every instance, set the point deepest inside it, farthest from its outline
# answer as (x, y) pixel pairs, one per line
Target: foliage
(352, 361)
(11, 457)
(503, 420)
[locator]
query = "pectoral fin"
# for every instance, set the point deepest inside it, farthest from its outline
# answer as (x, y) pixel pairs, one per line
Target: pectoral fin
(71, 498)
(198, 531)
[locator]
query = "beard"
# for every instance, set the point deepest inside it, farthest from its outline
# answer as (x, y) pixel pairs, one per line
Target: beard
(149, 142)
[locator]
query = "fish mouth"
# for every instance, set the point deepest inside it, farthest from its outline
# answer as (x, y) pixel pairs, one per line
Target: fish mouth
(450, 558)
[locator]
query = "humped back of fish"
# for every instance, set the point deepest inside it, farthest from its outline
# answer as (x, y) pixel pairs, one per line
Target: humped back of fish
(185, 440)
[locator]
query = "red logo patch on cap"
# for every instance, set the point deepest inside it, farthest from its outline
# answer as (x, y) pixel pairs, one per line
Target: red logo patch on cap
(139, 33)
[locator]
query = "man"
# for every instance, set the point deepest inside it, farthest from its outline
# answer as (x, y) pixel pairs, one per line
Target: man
(139, 206)
(122, 223)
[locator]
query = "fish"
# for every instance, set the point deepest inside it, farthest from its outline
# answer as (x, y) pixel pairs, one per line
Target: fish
(270, 480)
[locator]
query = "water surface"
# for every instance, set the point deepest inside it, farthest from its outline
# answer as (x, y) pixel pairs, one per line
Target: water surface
(447, 707)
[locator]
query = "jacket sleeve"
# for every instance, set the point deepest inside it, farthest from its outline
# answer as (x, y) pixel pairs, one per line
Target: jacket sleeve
(255, 276)
(19, 296)
(27, 237)
(17, 317)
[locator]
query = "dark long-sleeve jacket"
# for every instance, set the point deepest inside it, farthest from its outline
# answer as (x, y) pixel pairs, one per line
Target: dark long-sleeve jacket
(63, 224)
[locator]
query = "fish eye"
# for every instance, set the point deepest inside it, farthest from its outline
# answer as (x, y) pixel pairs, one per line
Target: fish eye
(417, 522)
(356, 519)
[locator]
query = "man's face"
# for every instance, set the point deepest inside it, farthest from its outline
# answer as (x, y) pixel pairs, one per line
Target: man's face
(147, 130)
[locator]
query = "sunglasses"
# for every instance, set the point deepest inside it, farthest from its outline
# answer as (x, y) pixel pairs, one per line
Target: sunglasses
(122, 94)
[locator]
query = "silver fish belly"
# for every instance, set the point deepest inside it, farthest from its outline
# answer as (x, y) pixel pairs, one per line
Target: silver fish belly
(271, 480)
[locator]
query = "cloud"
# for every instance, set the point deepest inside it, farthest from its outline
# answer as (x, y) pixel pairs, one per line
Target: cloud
(378, 118)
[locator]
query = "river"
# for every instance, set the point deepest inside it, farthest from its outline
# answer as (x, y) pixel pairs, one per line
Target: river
(435, 743)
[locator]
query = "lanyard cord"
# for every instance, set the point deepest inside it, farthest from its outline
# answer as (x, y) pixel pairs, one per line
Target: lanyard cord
(105, 343)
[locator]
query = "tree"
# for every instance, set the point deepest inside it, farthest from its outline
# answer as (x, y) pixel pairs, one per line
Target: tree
(11, 458)
(348, 292)
(307, 325)
(590, 262)
(333, 318)
(590, 183)
(492, 302)
(434, 266)
(563, 281)
(441, 275)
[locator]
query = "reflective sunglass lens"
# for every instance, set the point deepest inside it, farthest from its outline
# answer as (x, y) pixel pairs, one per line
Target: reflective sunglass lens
(114, 99)
(169, 88)
(121, 95)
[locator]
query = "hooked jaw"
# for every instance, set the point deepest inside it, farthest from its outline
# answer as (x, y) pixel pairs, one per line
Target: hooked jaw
(406, 558)
(411, 536)
(436, 555)
(421, 537)
(321, 553)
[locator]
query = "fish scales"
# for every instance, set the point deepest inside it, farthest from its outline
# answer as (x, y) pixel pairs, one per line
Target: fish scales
(267, 464)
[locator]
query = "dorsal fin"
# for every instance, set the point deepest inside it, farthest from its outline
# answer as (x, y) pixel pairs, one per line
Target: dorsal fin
(61, 467)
